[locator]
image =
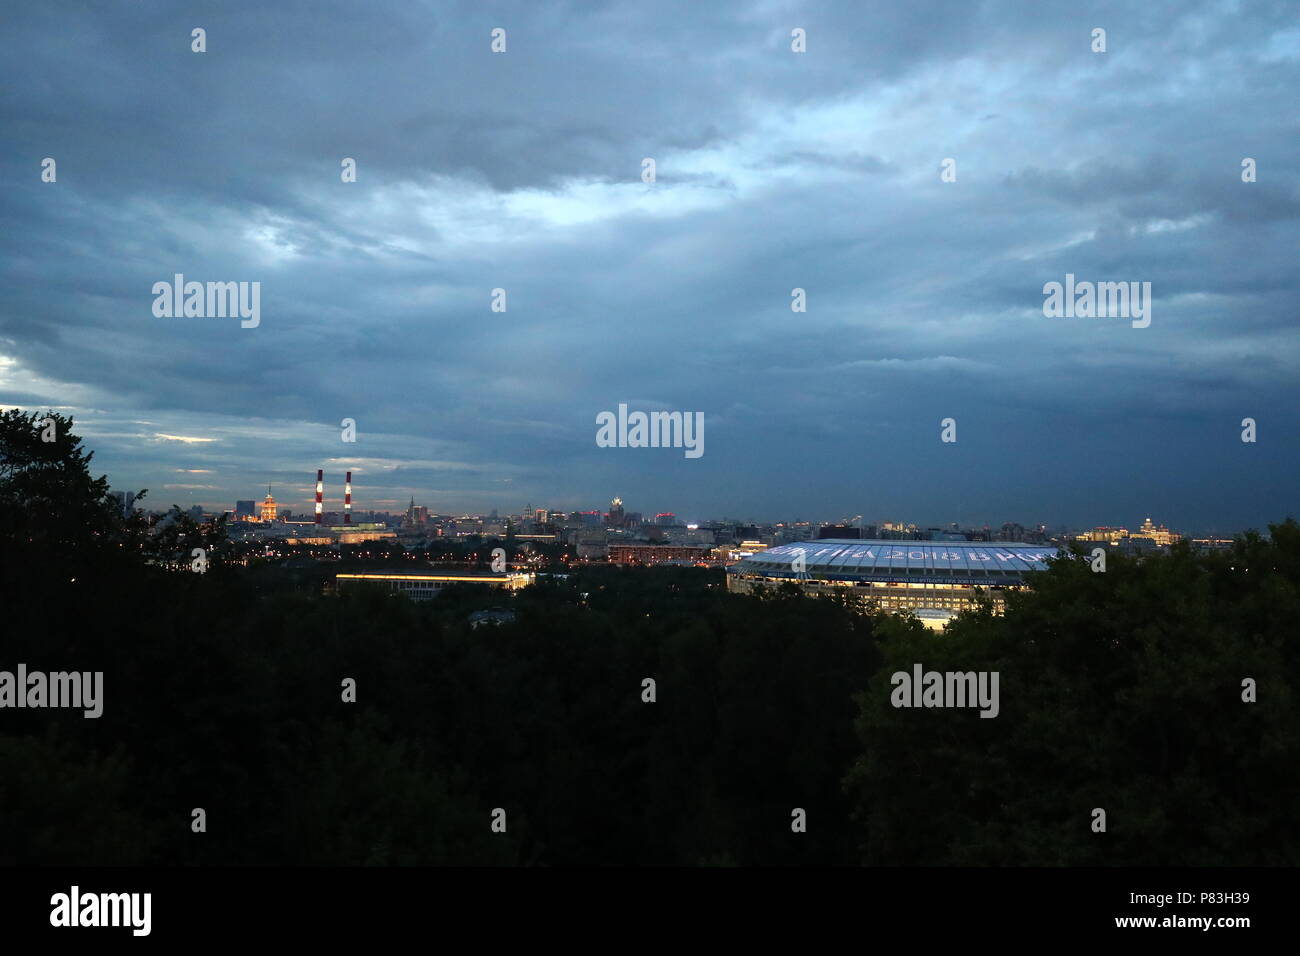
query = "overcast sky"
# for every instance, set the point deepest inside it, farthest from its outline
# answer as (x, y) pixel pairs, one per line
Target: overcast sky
(522, 170)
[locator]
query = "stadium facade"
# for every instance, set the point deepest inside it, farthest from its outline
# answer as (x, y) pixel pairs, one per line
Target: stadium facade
(896, 575)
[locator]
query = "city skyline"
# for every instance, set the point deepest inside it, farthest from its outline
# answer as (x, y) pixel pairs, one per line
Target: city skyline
(303, 511)
(302, 503)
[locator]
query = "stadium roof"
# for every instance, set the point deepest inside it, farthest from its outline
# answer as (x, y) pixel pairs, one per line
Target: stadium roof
(855, 558)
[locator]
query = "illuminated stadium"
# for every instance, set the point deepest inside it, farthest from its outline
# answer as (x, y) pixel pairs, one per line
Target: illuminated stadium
(895, 575)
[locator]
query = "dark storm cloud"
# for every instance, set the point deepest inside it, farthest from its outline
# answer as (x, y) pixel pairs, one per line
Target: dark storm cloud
(775, 171)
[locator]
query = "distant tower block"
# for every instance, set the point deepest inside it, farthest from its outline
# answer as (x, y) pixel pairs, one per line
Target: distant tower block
(320, 491)
(268, 506)
(347, 500)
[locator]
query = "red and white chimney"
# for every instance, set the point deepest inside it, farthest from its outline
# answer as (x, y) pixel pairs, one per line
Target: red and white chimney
(347, 500)
(320, 491)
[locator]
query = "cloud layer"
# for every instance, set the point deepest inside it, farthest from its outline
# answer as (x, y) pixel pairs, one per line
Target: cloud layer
(775, 170)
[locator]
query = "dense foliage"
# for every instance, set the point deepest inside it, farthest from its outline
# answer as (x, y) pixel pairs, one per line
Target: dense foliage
(223, 691)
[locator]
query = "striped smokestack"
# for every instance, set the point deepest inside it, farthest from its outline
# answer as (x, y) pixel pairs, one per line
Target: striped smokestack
(320, 491)
(347, 500)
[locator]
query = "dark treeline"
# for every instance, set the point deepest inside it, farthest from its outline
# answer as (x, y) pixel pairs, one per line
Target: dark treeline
(223, 691)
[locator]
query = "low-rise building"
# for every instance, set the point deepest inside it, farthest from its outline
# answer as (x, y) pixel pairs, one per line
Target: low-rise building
(658, 554)
(422, 585)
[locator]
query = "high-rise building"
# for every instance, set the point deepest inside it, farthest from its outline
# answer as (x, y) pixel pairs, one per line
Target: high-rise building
(1161, 535)
(616, 513)
(124, 499)
(268, 506)
(417, 516)
(246, 508)
(1012, 531)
